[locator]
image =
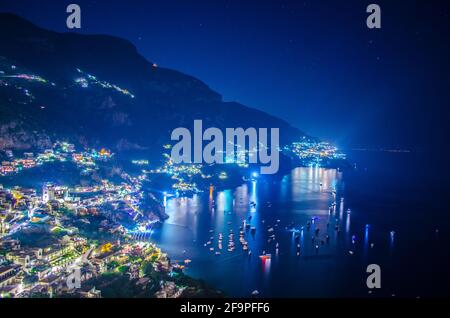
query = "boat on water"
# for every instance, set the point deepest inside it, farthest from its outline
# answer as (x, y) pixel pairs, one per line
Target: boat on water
(265, 256)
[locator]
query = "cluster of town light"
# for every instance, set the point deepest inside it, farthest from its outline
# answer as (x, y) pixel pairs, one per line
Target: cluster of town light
(87, 79)
(12, 76)
(60, 152)
(314, 152)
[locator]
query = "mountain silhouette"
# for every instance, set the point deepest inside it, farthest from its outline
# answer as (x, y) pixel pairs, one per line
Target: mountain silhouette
(98, 91)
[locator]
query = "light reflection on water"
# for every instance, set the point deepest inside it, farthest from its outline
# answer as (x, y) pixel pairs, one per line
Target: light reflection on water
(303, 196)
(338, 269)
(366, 240)
(393, 192)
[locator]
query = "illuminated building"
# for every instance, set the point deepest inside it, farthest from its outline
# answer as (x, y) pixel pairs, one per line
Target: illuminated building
(8, 274)
(48, 193)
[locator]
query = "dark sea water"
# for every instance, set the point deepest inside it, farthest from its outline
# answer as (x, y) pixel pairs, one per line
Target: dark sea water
(401, 192)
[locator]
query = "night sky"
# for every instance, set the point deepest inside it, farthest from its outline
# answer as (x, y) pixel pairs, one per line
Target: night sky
(312, 63)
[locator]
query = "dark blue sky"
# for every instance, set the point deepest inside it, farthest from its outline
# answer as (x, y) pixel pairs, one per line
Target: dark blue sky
(312, 63)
